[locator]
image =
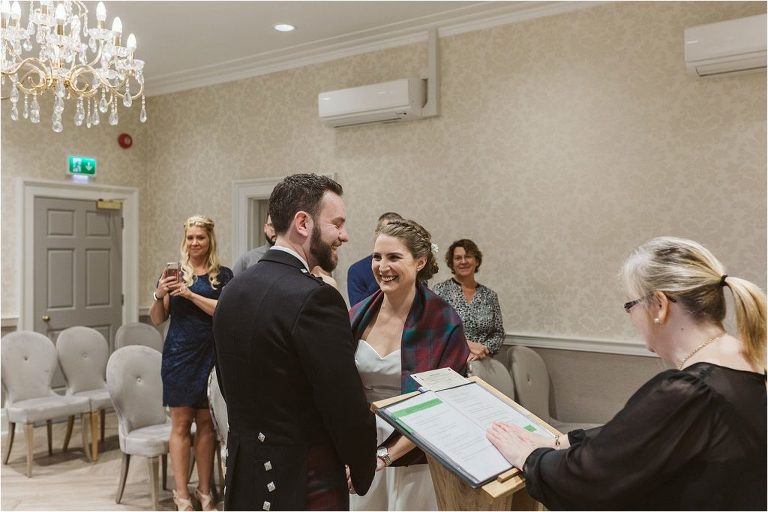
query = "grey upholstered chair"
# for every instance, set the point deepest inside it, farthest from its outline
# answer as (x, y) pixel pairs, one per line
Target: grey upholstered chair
(28, 364)
(83, 356)
(218, 408)
(134, 383)
(138, 333)
(531, 377)
(494, 373)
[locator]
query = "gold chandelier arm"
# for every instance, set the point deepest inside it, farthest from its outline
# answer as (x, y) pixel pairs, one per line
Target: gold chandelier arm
(86, 91)
(35, 68)
(116, 89)
(97, 58)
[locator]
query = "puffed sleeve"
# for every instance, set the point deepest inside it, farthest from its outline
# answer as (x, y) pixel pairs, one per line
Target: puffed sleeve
(496, 336)
(225, 275)
(665, 424)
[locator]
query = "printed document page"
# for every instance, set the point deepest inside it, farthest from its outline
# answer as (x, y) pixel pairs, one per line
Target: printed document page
(442, 378)
(483, 408)
(450, 431)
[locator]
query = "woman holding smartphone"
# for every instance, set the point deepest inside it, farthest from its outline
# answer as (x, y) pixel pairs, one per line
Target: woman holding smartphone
(188, 293)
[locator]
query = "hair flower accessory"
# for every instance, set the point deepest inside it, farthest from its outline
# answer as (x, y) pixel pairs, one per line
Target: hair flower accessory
(435, 249)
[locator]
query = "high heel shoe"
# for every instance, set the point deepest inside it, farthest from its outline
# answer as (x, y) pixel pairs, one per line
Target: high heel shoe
(182, 503)
(206, 500)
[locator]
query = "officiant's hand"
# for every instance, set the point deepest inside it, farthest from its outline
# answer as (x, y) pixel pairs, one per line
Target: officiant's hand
(515, 443)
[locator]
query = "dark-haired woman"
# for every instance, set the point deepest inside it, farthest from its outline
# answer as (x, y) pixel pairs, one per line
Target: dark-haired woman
(403, 328)
(691, 438)
(476, 304)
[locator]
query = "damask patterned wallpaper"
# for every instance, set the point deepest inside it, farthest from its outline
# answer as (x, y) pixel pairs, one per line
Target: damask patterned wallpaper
(563, 142)
(34, 151)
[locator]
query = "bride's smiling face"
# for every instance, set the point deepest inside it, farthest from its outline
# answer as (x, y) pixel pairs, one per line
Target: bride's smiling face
(393, 265)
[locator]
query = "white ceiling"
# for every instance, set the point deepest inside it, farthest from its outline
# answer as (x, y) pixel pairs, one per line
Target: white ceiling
(189, 44)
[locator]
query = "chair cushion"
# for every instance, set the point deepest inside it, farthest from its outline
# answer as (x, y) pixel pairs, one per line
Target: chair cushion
(137, 333)
(148, 441)
(99, 399)
(46, 408)
(28, 363)
(83, 353)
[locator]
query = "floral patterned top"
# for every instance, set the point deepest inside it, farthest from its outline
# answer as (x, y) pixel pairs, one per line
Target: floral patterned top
(481, 317)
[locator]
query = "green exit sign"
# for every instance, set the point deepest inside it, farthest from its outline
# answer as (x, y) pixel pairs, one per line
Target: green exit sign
(82, 165)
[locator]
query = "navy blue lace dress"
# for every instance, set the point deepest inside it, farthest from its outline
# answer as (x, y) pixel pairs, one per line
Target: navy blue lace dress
(188, 351)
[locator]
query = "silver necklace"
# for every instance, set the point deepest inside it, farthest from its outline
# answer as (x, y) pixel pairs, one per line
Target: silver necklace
(701, 346)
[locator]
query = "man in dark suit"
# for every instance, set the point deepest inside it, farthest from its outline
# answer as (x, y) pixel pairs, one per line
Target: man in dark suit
(285, 360)
(360, 280)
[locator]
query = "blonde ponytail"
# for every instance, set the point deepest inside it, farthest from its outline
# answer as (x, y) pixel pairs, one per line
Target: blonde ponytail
(749, 302)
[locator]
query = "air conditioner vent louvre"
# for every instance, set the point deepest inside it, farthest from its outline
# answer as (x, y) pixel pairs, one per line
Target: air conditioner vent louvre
(727, 47)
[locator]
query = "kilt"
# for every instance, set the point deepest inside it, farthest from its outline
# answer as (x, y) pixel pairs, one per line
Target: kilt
(261, 476)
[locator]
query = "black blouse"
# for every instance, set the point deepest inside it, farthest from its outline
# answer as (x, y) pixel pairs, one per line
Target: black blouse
(687, 440)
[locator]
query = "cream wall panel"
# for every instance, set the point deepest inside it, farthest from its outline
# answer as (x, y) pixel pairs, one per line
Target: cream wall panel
(562, 143)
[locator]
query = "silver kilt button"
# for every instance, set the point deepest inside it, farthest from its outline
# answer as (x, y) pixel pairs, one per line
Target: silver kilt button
(262, 437)
(271, 486)
(266, 506)
(268, 465)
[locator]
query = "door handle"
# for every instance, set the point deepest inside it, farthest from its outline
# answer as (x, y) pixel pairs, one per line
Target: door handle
(46, 318)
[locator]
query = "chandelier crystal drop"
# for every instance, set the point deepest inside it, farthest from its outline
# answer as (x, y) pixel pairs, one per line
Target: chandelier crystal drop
(57, 51)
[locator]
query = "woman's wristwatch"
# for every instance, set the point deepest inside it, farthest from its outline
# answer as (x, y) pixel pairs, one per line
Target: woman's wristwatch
(154, 296)
(383, 453)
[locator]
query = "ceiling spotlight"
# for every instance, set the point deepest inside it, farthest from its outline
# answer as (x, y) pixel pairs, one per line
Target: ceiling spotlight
(284, 27)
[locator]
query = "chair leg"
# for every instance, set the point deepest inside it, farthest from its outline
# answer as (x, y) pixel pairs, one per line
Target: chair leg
(103, 414)
(94, 439)
(9, 443)
(220, 467)
(68, 435)
(123, 476)
(49, 432)
(84, 435)
(152, 465)
(165, 471)
(29, 437)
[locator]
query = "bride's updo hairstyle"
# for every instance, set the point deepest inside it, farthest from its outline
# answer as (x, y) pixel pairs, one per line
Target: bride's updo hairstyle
(417, 240)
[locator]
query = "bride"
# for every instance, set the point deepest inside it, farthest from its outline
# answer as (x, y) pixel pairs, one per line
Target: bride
(403, 328)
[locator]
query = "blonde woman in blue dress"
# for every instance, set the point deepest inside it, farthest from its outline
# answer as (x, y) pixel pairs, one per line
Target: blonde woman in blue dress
(190, 299)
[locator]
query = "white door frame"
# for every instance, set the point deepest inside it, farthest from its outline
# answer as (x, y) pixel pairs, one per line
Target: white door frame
(242, 193)
(28, 190)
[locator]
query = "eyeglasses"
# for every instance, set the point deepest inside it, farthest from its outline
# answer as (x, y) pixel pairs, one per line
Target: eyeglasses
(629, 305)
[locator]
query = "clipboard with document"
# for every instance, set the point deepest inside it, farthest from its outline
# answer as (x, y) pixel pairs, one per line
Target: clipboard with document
(448, 418)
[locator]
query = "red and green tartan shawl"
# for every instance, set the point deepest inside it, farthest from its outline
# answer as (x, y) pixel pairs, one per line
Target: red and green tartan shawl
(433, 336)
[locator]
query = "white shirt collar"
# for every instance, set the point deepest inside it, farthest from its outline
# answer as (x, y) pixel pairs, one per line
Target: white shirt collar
(292, 253)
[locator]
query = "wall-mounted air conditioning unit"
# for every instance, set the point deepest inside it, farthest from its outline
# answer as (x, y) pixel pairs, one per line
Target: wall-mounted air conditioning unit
(726, 47)
(398, 100)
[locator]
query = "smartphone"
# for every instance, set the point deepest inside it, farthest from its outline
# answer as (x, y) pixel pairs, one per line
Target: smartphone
(172, 269)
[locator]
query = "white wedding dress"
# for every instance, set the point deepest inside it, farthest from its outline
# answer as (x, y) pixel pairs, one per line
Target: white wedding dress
(393, 488)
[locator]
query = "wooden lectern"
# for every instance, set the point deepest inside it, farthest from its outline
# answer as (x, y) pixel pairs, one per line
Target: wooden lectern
(506, 492)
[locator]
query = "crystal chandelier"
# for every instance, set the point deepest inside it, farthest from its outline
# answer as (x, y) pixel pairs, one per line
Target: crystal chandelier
(97, 71)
